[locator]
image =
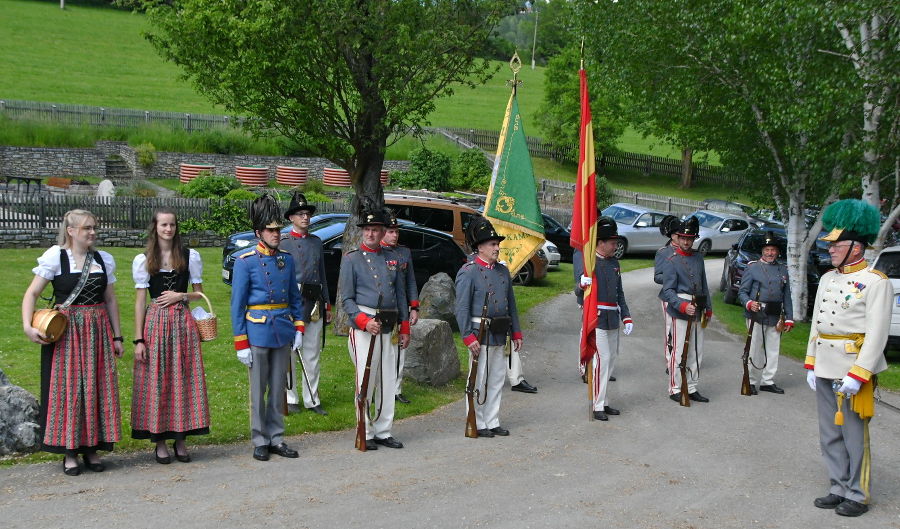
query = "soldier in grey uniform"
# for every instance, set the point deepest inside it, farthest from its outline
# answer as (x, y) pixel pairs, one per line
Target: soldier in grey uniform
(686, 294)
(484, 277)
(765, 294)
(611, 309)
(309, 269)
(845, 353)
(390, 244)
(267, 321)
(667, 227)
(370, 286)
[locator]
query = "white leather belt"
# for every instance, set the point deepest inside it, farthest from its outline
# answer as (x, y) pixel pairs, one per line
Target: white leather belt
(607, 307)
(368, 310)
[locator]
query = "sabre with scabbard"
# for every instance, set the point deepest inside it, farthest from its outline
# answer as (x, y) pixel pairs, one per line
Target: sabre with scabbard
(685, 399)
(745, 358)
(361, 401)
(471, 390)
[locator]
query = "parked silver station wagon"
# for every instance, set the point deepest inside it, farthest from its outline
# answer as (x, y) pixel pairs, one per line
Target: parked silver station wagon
(718, 231)
(639, 226)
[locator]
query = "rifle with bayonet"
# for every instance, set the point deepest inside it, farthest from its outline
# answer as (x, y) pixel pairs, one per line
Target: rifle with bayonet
(361, 401)
(745, 358)
(685, 399)
(471, 427)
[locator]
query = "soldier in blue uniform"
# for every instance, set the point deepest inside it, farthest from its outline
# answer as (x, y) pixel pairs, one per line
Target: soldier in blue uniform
(686, 295)
(765, 294)
(611, 309)
(484, 277)
(390, 244)
(370, 285)
(267, 320)
(667, 227)
(309, 267)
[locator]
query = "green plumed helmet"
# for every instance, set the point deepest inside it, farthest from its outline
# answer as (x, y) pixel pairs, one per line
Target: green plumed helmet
(851, 220)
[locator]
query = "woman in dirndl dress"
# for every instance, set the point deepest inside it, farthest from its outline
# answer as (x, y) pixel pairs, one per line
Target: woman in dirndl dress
(169, 399)
(79, 387)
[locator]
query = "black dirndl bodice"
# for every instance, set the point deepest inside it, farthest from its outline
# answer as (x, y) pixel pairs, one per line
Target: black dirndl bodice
(65, 282)
(172, 280)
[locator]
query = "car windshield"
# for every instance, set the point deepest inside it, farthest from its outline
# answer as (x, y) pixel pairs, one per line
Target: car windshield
(889, 264)
(620, 214)
(707, 220)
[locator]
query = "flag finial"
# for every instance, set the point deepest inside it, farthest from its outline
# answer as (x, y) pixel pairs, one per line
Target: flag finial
(515, 64)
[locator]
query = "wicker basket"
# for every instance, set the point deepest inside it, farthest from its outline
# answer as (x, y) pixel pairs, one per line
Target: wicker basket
(209, 328)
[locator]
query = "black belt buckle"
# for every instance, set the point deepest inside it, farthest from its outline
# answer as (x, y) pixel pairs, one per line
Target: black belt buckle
(311, 291)
(388, 318)
(772, 308)
(500, 324)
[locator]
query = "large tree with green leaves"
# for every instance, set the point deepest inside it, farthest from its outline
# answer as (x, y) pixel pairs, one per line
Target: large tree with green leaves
(340, 77)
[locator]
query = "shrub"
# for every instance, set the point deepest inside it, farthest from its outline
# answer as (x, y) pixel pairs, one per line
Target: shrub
(240, 194)
(314, 196)
(605, 195)
(209, 186)
(224, 219)
(146, 154)
(427, 170)
(314, 185)
(137, 188)
(471, 171)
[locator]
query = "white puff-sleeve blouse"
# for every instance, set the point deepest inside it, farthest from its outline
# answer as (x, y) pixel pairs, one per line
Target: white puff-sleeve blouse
(142, 277)
(49, 265)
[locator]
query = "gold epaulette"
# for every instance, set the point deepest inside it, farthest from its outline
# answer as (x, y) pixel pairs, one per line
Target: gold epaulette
(879, 273)
(246, 254)
(284, 251)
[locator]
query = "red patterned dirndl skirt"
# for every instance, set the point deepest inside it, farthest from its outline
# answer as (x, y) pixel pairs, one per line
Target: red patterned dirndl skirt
(169, 399)
(83, 400)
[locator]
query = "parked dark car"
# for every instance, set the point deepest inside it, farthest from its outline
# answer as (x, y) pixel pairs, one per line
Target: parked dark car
(559, 236)
(433, 251)
(749, 248)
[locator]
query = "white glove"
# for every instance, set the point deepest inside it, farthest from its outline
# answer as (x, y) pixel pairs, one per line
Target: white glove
(298, 340)
(811, 379)
(850, 386)
(628, 328)
(245, 357)
(585, 281)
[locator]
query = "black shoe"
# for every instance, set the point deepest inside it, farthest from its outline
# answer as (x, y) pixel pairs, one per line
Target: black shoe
(753, 390)
(697, 397)
(293, 408)
(524, 387)
(851, 508)
(261, 453)
(389, 442)
(186, 458)
(676, 397)
(828, 502)
(600, 416)
(283, 450)
(610, 411)
(318, 409)
(485, 433)
(401, 399)
(93, 467)
(771, 388)
(161, 460)
(71, 471)
(370, 445)
(502, 432)
(612, 379)
(584, 378)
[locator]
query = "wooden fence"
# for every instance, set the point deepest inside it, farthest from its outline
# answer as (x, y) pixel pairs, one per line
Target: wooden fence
(30, 211)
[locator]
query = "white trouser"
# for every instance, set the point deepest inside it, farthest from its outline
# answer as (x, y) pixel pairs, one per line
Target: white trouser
(604, 362)
(311, 352)
(667, 337)
(399, 369)
(487, 415)
(382, 378)
(764, 346)
(514, 367)
(694, 357)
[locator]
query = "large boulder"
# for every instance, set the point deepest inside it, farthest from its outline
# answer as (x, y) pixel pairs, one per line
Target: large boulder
(437, 299)
(431, 357)
(19, 431)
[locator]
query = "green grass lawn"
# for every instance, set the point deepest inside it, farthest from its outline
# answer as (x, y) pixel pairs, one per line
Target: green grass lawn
(226, 377)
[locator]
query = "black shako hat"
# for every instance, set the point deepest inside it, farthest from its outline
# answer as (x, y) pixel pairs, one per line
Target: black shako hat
(689, 227)
(607, 229)
(265, 213)
(668, 225)
(299, 203)
(392, 221)
(372, 217)
(771, 239)
(480, 230)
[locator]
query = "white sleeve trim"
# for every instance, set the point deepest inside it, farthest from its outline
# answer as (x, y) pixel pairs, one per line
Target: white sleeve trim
(195, 267)
(110, 265)
(139, 271)
(48, 264)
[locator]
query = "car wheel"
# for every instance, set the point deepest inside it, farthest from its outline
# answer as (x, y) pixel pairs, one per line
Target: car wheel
(621, 247)
(524, 275)
(731, 296)
(704, 247)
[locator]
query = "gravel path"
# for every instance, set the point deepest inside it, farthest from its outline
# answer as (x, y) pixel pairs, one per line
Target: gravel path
(735, 462)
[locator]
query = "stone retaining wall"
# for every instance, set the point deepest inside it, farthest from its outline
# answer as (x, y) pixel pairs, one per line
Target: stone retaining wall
(45, 238)
(44, 162)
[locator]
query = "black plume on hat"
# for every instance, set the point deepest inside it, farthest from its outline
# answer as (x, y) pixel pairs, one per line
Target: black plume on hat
(371, 215)
(668, 225)
(607, 229)
(689, 227)
(265, 213)
(391, 218)
(480, 230)
(299, 203)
